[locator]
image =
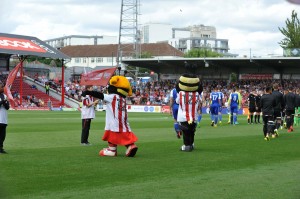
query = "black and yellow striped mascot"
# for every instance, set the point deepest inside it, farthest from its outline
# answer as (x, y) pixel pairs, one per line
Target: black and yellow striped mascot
(189, 99)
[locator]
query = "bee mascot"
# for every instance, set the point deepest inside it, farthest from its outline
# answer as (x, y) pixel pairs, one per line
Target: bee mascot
(189, 91)
(117, 129)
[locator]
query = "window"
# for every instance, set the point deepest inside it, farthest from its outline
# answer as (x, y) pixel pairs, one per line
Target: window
(99, 60)
(92, 60)
(77, 60)
(84, 60)
(109, 59)
(146, 34)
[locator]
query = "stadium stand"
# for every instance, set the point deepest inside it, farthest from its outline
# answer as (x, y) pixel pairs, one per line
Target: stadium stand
(31, 97)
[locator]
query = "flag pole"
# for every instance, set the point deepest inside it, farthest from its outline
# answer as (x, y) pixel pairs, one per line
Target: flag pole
(21, 77)
(62, 83)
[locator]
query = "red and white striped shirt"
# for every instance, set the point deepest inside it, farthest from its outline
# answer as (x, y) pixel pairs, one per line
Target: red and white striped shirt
(189, 104)
(87, 112)
(116, 113)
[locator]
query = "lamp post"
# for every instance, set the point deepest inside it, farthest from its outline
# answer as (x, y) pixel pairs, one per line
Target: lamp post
(112, 59)
(206, 64)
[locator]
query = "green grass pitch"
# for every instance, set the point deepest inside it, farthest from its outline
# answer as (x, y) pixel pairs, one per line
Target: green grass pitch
(45, 160)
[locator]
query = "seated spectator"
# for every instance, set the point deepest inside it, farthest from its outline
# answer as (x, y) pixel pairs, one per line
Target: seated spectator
(41, 102)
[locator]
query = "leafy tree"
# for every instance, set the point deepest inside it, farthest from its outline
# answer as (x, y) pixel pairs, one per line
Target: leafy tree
(291, 32)
(47, 61)
(202, 52)
(146, 55)
(133, 69)
(233, 77)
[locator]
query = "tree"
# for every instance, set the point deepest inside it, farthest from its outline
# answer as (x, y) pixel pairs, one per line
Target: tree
(146, 55)
(233, 77)
(291, 32)
(47, 61)
(202, 52)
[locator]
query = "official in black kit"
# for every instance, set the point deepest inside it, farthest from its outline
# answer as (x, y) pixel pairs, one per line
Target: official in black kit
(251, 105)
(290, 104)
(257, 107)
(278, 109)
(267, 105)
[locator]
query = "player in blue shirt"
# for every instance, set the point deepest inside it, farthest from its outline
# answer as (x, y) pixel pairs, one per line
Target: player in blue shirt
(200, 111)
(221, 96)
(174, 111)
(214, 107)
(234, 104)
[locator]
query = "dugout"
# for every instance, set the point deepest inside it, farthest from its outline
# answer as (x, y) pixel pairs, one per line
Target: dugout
(23, 46)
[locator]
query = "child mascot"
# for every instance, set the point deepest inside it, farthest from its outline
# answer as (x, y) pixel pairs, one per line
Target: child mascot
(117, 129)
(189, 92)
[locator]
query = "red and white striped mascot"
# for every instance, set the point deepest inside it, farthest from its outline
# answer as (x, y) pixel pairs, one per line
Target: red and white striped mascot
(117, 129)
(189, 100)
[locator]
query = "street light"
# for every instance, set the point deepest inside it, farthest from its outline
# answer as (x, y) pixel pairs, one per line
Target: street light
(206, 64)
(112, 59)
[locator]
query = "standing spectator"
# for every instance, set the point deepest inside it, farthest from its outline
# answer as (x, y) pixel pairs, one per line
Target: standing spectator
(49, 103)
(267, 105)
(290, 104)
(47, 87)
(4, 106)
(87, 114)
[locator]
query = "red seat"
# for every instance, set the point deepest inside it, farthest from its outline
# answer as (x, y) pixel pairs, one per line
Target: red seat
(27, 90)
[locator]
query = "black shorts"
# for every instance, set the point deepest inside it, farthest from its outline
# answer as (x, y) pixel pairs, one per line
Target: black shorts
(289, 112)
(277, 114)
(258, 109)
(251, 109)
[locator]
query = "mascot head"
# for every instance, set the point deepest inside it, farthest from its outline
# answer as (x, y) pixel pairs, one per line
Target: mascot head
(120, 85)
(189, 82)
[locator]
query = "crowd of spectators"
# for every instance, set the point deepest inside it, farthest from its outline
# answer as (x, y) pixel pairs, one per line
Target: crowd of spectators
(158, 92)
(29, 100)
(151, 92)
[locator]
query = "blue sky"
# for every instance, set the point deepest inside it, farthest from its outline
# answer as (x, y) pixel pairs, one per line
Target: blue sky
(248, 24)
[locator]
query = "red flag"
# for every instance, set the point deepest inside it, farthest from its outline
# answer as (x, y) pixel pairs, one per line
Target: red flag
(10, 79)
(97, 77)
